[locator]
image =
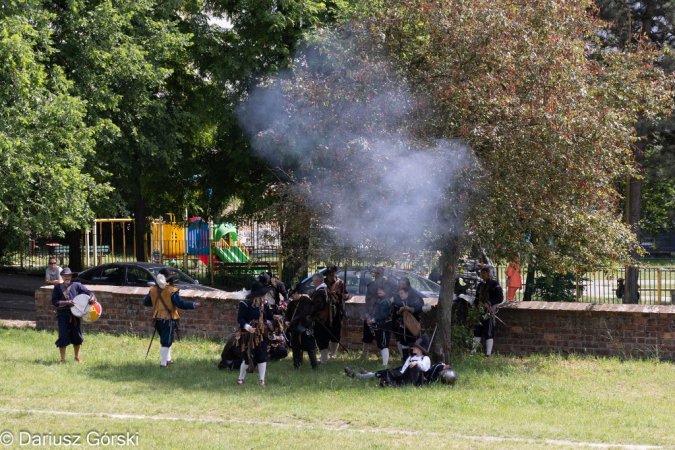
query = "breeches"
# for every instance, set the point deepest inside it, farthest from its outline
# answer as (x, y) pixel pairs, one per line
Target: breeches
(70, 330)
(381, 336)
(166, 329)
(486, 327)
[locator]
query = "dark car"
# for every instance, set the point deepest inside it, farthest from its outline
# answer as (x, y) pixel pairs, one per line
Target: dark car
(135, 274)
(359, 277)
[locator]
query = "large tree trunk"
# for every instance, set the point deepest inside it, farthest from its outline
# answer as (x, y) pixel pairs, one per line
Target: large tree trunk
(140, 225)
(634, 213)
(443, 340)
(529, 282)
(74, 239)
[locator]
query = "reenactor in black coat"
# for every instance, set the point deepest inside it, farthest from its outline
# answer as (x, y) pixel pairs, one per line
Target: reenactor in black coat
(337, 292)
(299, 321)
(321, 301)
(379, 281)
(255, 321)
(489, 294)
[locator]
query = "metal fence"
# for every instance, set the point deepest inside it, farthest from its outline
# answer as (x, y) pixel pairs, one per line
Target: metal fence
(258, 249)
(656, 285)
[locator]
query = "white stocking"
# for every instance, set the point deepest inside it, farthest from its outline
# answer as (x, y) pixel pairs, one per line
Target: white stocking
(385, 356)
(366, 347)
(333, 349)
(324, 356)
(262, 367)
(242, 370)
(164, 351)
(488, 346)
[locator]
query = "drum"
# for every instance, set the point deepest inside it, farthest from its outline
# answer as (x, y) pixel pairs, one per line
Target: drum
(85, 311)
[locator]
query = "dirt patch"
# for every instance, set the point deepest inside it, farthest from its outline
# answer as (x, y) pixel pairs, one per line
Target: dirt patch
(17, 323)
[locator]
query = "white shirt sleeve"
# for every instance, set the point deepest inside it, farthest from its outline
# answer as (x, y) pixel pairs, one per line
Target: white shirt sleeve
(248, 327)
(424, 364)
(407, 363)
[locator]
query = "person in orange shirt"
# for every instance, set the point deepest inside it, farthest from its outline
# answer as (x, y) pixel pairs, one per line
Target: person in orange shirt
(513, 281)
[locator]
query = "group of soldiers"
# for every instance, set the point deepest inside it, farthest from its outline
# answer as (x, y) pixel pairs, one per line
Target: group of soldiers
(270, 318)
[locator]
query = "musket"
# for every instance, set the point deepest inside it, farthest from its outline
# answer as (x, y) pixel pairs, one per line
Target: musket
(153, 338)
(332, 335)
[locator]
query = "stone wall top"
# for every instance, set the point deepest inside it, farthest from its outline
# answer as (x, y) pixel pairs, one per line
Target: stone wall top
(593, 308)
(191, 295)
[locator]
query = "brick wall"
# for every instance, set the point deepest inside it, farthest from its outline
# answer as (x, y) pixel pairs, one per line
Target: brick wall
(601, 329)
(597, 329)
(123, 312)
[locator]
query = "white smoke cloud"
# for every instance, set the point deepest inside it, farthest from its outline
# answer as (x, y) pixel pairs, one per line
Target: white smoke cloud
(374, 179)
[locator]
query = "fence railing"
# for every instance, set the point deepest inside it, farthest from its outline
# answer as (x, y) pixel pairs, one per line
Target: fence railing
(656, 279)
(656, 285)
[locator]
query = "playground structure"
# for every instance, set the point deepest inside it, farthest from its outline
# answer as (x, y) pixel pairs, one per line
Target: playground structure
(97, 249)
(172, 240)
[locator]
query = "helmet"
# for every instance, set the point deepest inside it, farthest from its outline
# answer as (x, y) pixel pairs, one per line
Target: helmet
(448, 376)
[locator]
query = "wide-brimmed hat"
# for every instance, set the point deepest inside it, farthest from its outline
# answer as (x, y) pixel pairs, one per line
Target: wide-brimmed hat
(258, 290)
(331, 269)
(66, 271)
(423, 344)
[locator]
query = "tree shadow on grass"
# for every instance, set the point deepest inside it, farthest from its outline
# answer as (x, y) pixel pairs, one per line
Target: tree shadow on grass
(203, 374)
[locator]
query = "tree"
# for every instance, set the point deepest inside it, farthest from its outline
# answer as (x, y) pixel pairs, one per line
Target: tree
(44, 138)
(547, 112)
(161, 84)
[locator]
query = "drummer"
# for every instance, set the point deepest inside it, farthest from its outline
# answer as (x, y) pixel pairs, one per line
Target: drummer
(70, 329)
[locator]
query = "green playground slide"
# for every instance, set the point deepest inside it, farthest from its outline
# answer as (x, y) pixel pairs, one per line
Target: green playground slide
(225, 255)
(239, 254)
(233, 254)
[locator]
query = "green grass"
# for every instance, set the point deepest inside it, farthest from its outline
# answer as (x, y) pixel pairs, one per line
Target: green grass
(525, 402)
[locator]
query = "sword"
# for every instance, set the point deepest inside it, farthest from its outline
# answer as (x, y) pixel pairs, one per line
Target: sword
(432, 337)
(153, 338)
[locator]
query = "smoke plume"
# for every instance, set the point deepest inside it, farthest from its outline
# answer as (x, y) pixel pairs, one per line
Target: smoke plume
(358, 137)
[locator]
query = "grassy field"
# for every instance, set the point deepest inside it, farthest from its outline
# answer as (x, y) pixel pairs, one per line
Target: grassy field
(501, 402)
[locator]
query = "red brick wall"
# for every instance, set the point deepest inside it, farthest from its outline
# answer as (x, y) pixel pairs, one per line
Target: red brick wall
(597, 329)
(533, 326)
(123, 312)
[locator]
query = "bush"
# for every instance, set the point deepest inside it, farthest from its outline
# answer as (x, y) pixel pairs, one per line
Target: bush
(557, 287)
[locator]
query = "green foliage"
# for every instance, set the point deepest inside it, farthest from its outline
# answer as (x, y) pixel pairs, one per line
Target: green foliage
(233, 281)
(557, 287)
(44, 138)
(462, 331)
(546, 108)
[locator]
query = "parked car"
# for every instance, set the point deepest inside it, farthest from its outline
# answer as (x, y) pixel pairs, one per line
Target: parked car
(359, 277)
(135, 274)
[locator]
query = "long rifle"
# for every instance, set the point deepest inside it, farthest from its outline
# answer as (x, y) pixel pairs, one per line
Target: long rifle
(153, 338)
(332, 335)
